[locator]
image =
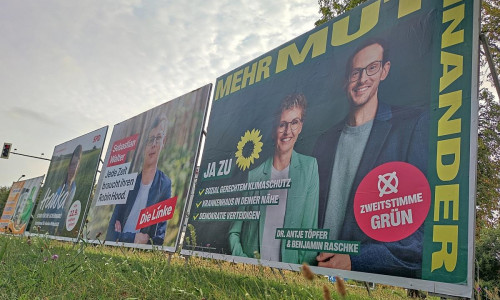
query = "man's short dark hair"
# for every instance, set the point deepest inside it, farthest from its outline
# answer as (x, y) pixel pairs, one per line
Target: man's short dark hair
(363, 45)
(77, 152)
(157, 122)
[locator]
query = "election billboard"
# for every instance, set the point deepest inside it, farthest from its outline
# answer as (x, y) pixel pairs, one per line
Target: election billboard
(147, 173)
(19, 206)
(68, 186)
(351, 148)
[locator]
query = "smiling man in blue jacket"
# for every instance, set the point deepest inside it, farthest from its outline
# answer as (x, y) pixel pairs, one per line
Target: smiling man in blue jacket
(151, 187)
(372, 134)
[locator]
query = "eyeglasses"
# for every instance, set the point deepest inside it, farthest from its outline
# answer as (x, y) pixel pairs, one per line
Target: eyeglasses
(371, 70)
(154, 140)
(294, 125)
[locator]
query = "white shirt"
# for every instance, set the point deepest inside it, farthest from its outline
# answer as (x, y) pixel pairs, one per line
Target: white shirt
(140, 203)
(275, 218)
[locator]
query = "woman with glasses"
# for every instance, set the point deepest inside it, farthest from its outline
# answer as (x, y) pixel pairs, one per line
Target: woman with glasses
(297, 206)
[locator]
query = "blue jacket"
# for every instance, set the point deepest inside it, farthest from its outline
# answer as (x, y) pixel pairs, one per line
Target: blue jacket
(398, 134)
(61, 229)
(159, 191)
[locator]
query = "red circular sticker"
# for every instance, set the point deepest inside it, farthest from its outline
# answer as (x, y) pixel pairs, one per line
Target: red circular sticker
(392, 201)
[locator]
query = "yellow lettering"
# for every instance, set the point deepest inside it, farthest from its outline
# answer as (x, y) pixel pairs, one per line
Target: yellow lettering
(447, 235)
(406, 7)
(249, 75)
(448, 147)
(446, 194)
(450, 37)
(445, 124)
(446, 200)
(316, 41)
(447, 60)
(236, 80)
(263, 68)
(223, 89)
(369, 18)
(447, 3)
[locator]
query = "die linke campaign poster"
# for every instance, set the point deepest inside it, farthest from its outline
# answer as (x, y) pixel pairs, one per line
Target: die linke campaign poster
(69, 183)
(19, 206)
(351, 148)
(145, 180)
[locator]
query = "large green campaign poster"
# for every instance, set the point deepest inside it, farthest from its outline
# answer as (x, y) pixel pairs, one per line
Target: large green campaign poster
(68, 186)
(350, 148)
(147, 173)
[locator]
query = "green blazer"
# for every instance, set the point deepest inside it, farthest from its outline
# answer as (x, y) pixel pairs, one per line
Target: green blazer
(245, 237)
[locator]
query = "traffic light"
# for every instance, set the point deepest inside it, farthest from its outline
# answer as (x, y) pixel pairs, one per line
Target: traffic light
(6, 150)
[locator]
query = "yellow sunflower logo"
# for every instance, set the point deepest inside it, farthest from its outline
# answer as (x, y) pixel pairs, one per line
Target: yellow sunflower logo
(249, 148)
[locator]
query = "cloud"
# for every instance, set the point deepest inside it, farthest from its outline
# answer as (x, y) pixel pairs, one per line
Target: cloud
(24, 114)
(71, 67)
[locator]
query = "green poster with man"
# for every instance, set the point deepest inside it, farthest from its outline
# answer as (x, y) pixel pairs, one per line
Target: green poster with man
(349, 149)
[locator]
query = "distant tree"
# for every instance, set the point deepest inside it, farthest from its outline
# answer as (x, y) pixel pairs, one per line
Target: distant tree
(329, 9)
(488, 259)
(4, 194)
(488, 178)
(490, 18)
(488, 167)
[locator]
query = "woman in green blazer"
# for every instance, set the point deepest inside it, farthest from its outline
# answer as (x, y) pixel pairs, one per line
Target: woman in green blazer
(298, 205)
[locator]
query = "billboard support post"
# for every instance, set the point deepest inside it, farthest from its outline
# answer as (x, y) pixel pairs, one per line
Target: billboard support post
(83, 225)
(493, 71)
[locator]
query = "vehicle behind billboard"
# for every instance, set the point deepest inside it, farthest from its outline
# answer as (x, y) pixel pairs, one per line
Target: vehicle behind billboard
(145, 180)
(351, 148)
(68, 186)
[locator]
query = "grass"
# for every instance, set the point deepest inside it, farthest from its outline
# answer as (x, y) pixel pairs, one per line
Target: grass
(40, 268)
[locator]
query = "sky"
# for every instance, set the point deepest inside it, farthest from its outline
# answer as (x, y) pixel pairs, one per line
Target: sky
(71, 67)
